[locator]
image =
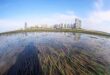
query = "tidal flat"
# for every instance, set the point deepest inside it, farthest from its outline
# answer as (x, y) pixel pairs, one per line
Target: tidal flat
(54, 53)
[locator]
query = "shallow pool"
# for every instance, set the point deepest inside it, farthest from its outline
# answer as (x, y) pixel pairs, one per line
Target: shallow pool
(54, 53)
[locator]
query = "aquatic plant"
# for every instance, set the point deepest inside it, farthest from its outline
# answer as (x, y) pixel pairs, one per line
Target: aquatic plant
(75, 62)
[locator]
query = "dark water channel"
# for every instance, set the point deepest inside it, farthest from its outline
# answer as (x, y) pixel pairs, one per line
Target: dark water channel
(49, 53)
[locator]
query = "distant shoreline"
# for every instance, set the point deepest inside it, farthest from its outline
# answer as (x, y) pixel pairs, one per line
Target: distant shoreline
(60, 30)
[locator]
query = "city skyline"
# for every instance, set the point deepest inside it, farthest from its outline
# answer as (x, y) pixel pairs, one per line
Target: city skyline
(75, 25)
(95, 14)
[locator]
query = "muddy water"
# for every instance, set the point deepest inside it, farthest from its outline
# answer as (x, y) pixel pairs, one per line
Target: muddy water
(54, 54)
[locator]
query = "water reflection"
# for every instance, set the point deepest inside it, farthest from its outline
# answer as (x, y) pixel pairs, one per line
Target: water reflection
(25, 33)
(77, 36)
(27, 62)
(54, 54)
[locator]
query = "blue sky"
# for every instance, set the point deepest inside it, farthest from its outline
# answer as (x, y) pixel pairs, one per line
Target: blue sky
(95, 14)
(27, 8)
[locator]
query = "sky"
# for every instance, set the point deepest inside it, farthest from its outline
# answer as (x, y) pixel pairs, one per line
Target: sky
(95, 14)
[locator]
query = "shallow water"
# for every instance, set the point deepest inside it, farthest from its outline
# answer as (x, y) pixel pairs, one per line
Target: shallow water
(59, 53)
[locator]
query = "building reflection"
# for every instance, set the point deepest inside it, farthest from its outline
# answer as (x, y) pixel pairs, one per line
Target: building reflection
(77, 36)
(25, 33)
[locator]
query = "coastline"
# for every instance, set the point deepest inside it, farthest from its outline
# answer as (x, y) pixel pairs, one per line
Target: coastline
(59, 30)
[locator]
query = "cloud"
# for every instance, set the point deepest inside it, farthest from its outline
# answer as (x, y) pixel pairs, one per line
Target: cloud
(67, 17)
(9, 24)
(12, 24)
(98, 19)
(98, 4)
(63, 18)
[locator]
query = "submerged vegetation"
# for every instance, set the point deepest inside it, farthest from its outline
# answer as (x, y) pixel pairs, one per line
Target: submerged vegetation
(72, 62)
(53, 54)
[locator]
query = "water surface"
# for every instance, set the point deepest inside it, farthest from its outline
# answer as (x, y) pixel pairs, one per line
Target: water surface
(59, 53)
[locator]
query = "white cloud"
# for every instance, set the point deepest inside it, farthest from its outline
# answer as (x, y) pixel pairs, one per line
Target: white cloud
(98, 19)
(11, 24)
(63, 18)
(8, 24)
(98, 4)
(67, 17)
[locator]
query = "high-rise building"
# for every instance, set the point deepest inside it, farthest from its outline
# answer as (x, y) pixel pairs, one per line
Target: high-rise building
(25, 25)
(77, 24)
